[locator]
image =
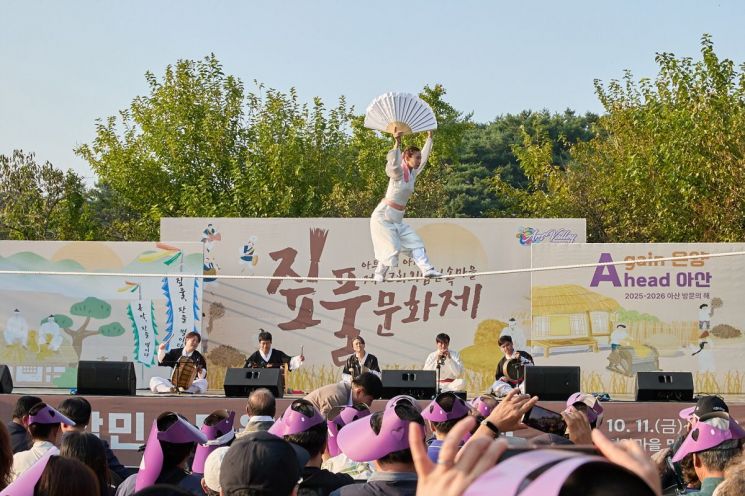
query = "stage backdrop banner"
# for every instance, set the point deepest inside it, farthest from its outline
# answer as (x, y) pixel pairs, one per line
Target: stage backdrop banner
(642, 315)
(398, 320)
(52, 322)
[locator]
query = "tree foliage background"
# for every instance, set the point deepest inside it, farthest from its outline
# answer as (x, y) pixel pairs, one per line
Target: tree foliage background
(664, 162)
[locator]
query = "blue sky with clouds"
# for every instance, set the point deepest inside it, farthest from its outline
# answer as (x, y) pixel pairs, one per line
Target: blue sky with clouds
(65, 63)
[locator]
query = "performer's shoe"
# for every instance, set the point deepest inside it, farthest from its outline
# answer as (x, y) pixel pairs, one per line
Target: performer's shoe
(380, 273)
(431, 273)
(174, 389)
(422, 261)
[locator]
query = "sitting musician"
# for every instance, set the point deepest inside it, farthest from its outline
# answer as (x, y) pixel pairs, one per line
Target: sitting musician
(170, 359)
(504, 380)
(448, 361)
(268, 357)
(359, 362)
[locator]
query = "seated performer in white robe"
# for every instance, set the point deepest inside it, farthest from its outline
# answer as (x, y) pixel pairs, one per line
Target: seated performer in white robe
(191, 341)
(451, 367)
(391, 236)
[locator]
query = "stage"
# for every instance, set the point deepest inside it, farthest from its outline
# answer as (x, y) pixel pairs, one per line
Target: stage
(125, 420)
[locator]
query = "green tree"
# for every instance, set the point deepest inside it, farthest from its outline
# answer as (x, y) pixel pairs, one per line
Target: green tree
(667, 162)
(198, 145)
(38, 201)
(90, 308)
(488, 149)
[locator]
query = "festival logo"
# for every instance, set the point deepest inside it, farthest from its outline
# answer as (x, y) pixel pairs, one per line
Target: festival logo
(531, 235)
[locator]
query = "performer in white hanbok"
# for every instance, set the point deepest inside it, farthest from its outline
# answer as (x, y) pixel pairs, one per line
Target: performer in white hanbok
(391, 236)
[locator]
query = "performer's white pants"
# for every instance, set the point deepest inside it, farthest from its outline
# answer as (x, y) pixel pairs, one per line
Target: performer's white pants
(455, 385)
(161, 385)
(391, 236)
(501, 388)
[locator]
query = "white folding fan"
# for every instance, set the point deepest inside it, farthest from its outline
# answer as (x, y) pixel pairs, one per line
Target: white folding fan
(402, 111)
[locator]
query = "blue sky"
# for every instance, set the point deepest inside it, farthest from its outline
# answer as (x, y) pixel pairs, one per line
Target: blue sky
(65, 63)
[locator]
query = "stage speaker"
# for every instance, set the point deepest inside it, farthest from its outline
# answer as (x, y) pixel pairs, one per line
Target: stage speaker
(6, 381)
(110, 378)
(551, 383)
(239, 382)
(421, 384)
(664, 386)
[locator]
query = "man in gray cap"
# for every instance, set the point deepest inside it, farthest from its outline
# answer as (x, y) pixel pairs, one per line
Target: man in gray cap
(262, 464)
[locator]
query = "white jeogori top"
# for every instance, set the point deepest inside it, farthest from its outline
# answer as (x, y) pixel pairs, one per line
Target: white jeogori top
(399, 190)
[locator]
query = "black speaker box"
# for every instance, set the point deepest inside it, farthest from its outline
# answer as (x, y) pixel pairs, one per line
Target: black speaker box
(550, 382)
(239, 382)
(664, 386)
(6, 381)
(421, 384)
(110, 378)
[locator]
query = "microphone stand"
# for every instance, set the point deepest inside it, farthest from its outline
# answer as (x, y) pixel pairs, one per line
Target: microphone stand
(440, 362)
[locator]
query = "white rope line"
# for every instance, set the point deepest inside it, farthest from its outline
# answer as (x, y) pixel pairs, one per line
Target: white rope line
(368, 279)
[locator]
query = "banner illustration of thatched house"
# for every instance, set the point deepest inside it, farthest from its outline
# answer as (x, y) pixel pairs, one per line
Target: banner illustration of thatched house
(570, 315)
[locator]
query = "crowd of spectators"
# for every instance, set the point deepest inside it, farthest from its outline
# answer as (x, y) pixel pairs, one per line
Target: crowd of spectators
(448, 447)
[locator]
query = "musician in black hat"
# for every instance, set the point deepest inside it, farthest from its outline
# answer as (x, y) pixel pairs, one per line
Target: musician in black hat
(170, 359)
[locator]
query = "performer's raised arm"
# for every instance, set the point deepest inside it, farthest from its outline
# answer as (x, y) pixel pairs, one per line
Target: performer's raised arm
(393, 164)
(426, 150)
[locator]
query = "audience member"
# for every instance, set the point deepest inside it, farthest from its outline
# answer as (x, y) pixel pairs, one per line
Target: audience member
(87, 448)
(363, 389)
(734, 478)
(211, 478)
(303, 425)
(261, 409)
(262, 464)
(163, 490)
(66, 477)
(383, 438)
(483, 405)
(78, 409)
(714, 442)
(20, 439)
(44, 427)
(172, 439)
(6, 458)
(218, 429)
(443, 413)
(336, 461)
(582, 414)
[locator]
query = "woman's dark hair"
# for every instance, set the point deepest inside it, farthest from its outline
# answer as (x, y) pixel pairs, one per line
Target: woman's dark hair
(404, 411)
(360, 339)
(193, 334)
(446, 401)
(6, 457)
(265, 336)
(604, 479)
(77, 409)
(66, 477)
(411, 151)
(173, 453)
(23, 405)
(313, 440)
(442, 338)
(40, 431)
(88, 448)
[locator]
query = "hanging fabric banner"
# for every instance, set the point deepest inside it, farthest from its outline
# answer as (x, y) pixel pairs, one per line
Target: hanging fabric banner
(182, 303)
(142, 316)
